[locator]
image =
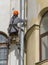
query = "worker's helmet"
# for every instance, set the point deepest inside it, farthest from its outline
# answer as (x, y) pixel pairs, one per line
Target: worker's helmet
(15, 12)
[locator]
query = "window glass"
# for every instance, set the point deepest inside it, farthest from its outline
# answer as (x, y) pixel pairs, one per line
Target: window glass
(3, 49)
(3, 53)
(3, 62)
(44, 36)
(44, 24)
(44, 45)
(3, 39)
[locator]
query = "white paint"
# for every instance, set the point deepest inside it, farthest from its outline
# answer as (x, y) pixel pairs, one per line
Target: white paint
(4, 15)
(13, 55)
(14, 5)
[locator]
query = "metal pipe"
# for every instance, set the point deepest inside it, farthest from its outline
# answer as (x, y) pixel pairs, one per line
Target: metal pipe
(21, 60)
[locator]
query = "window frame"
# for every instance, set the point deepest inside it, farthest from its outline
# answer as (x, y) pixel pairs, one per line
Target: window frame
(5, 44)
(41, 36)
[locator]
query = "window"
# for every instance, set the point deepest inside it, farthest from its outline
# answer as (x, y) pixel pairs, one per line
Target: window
(3, 39)
(3, 55)
(44, 37)
(3, 49)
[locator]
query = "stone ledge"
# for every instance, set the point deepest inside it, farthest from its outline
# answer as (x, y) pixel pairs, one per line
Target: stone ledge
(44, 62)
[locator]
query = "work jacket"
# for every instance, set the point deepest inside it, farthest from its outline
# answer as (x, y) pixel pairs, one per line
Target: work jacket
(13, 26)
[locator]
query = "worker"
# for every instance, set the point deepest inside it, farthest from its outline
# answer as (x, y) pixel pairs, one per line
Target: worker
(13, 26)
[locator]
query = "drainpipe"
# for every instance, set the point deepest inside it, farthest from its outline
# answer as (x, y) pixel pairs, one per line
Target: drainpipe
(22, 16)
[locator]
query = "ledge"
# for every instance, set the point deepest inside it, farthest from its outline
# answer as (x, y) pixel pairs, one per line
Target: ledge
(42, 62)
(32, 28)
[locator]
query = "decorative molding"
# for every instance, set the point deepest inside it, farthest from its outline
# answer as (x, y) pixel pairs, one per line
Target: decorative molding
(32, 28)
(42, 62)
(28, 33)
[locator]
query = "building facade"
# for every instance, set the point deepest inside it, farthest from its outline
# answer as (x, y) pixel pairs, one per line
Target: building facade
(36, 43)
(36, 33)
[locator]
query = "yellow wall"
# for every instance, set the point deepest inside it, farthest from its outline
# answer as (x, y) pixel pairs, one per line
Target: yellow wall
(32, 45)
(31, 49)
(36, 8)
